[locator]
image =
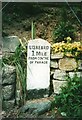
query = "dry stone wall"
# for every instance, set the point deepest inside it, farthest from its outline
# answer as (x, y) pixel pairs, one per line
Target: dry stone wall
(61, 67)
(8, 81)
(8, 87)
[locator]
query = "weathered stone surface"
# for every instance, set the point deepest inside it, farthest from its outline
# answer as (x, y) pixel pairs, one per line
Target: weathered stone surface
(57, 55)
(72, 74)
(42, 108)
(57, 85)
(8, 105)
(59, 75)
(34, 94)
(67, 64)
(10, 43)
(51, 72)
(0, 61)
(1, 44)
(53, 64)
(2, 113)
(0, 69)
(8, 92)
(80, 64)
(37, 107)
(8, 74)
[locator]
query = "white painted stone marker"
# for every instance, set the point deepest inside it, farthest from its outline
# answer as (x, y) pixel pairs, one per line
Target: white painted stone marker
(38, 64)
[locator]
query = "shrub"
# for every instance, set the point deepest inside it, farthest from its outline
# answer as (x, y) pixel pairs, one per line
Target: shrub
(63, 30)
(69, 101)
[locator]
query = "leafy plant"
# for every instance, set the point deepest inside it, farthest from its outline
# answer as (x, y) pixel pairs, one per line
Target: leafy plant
(65, 27)
(19, 60)
(69, 101)
(33, 31)
(63, 30)
(20, 64)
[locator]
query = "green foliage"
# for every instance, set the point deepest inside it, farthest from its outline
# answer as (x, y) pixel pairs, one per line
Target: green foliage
(20, 64)
(33, 31)
(69, 101)
(63, 30)
(18, 59)
(65, 27)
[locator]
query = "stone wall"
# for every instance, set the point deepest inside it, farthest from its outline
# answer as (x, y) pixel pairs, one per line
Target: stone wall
(8, 82)
(61, 67)
(8, 87)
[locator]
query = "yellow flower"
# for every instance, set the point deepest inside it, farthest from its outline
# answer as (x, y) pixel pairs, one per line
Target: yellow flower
(67, 47)
(69, 55)
(68, 39)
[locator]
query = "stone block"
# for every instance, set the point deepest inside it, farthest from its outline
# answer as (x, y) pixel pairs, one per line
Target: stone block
(67, 64)
(0, 69)
(51, 72)
(0, 60)
(10, 43)
(8, 105)
(36, 94)
(59, 75)
(79, 64)
(72, 74)
(36, 107)
(8, 74)
(57, 85)
(57, 55)
(8, 92)
(53, 64)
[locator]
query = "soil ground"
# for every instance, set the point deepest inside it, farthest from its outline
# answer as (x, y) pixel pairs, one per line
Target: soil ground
(17, 20)
(14, 113)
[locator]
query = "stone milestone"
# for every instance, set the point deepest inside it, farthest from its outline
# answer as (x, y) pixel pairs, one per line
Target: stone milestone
(38, 67)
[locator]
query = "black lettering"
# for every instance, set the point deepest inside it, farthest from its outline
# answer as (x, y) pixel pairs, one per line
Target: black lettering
(30, 47)
(33, 53)
(38, 53)
(31, 62)
(47, 47)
